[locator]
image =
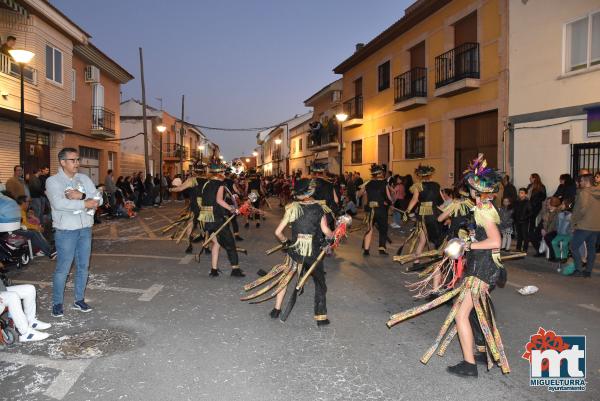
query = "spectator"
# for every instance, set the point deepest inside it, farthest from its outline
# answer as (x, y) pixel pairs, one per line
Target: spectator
(70, 194)
(44, 174)
(15, 184)
(506, 223)
(508, 190)
(586, 224)
(35, 190)
(597, 178)
(10, 43)
(110, 187)
(536, 191)
(358, 181)
(33, 232)
(560, 243)
(567, 187)
(521, 216)
(138, 190)
(550, 223)
(398, 192)
(21, 303)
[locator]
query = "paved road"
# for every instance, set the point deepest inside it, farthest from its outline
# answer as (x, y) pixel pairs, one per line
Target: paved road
(163, 330)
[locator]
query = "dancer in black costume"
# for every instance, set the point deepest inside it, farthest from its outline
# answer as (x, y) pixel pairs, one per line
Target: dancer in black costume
(213, 212)
(427, 195)
(378, 201)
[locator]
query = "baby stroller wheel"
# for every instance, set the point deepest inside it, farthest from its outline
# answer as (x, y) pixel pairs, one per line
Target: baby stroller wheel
(9, 336)
(25, 259)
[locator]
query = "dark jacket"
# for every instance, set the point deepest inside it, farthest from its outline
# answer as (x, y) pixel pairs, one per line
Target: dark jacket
(565, 191)
(522, 211)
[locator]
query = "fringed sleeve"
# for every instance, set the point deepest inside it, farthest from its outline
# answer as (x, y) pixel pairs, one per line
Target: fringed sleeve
(292, 212)
(416, 187)
(486, 213)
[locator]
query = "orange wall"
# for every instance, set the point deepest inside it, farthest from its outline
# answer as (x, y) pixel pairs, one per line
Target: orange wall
(82, 116)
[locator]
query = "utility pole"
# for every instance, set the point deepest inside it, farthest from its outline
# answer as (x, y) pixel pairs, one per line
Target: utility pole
(181, 133)
(146, 157)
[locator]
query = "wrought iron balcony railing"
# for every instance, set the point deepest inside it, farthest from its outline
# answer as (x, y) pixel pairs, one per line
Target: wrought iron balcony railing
(103, 120)
(411, 84)
(456, 64)
(354, 107)
(9, 67)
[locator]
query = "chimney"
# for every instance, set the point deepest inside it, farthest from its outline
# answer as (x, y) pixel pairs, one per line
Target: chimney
(359, 46)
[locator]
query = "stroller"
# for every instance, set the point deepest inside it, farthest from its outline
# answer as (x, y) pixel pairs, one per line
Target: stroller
(14, 249)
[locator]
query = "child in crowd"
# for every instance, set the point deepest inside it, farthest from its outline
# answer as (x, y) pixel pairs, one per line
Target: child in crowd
(521, 215)
(561, 241)
(506, 223)
(549, 222)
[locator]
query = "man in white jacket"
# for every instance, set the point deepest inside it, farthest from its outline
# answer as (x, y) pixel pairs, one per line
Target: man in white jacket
(73, 198)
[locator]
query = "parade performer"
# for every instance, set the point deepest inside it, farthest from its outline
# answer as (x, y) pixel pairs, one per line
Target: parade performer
(324, 190)
(187, 222)
(427, 229)
(232, 199)
(378, 199)
(254, 186)
(479, 256)
(213, 211)
(310, 234)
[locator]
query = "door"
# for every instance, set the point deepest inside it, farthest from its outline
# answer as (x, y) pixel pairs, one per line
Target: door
(473, 135)
(417, 56)
(465, 30)
(37, 151)
(383, 147)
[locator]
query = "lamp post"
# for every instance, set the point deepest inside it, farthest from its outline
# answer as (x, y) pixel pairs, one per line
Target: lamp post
(201, 149)
(22, 57)
(278, 143)
(161, 129)
(341, 117)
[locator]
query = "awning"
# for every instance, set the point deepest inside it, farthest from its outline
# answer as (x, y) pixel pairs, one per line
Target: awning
(15, 6)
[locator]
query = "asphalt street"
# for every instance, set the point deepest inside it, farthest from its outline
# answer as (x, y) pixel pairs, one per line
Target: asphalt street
(162, 329)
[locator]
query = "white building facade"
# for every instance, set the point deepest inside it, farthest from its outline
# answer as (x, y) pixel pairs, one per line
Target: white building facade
(554, 92)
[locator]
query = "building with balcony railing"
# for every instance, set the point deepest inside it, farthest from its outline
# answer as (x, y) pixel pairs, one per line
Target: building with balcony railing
(61, 107)
(431, 88)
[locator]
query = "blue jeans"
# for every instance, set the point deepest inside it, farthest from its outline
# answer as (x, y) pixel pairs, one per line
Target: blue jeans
(77, 245)
(589, 238)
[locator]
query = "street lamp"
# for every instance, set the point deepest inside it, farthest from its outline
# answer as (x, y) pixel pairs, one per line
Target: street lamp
(341, 117)
(255, 153)
(247, 160)
(278, 142)
(22, 57)
(221, 157)
(201, 149)
(161, 130)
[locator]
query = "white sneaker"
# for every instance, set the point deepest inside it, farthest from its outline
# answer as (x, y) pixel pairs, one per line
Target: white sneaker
(40, 253)
(33, 335)
(39, 325)
(394, 225)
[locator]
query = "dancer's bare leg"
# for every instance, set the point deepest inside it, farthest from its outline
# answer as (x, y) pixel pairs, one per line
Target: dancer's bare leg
(465, 332)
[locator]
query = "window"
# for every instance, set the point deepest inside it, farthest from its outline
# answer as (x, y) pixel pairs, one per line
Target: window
(593, 121)
(54, 64)
(582, 46)
(89, 153)
(73, 84)
(300, 145)
(111, 160)
(383, 73)
(415, 143)
(357, 151)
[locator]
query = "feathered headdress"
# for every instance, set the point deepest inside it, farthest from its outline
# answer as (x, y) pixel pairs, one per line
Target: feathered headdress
(480, 177)
(376, 169)
(304, 188)
(424, 170)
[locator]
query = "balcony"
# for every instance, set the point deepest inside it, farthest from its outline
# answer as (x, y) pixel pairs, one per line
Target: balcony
(103, 122)
(9, 67)
(410, 89)
(457, 70)
(174, 151)
(354, 109)
(325, 138)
